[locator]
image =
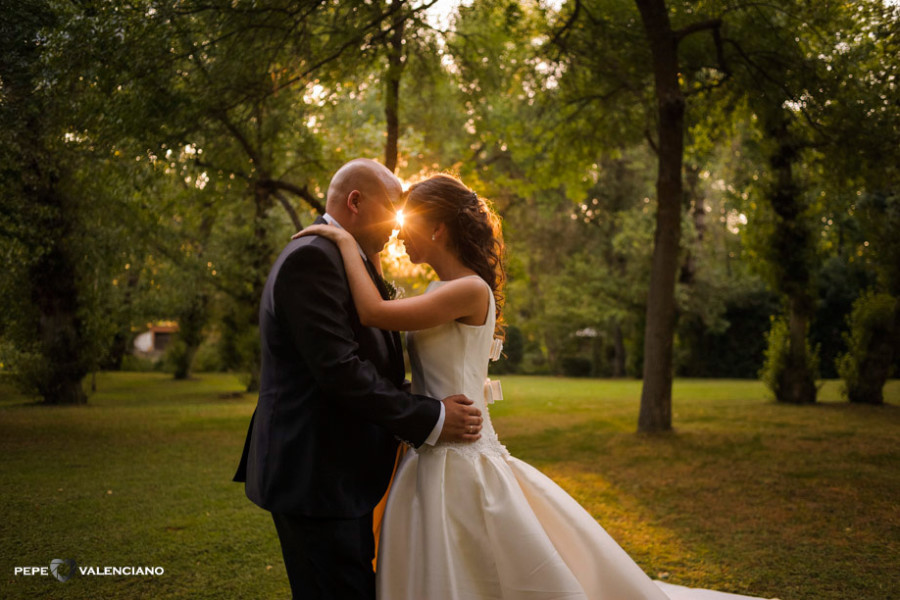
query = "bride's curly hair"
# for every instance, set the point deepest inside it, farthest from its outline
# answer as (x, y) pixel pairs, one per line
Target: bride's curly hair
(473, 227)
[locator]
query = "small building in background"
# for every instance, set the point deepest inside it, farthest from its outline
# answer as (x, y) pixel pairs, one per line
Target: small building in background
(153, 342)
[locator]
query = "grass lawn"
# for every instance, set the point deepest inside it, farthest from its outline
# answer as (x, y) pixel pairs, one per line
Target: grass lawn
(802, 503)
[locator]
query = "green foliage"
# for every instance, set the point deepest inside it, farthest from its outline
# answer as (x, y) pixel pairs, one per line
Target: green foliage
(871, 346)
(182, 148)
(52, 227)
(130, 362)
(738, 350)
(839, 282)
(208, 358)
(879, 216)
(178, 359)
(576, 366)
(775, 373)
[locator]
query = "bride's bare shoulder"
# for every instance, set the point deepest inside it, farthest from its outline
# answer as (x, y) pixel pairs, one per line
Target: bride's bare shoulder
(471, 284)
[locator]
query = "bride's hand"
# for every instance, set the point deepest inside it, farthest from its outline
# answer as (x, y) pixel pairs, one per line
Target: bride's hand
(335, 234)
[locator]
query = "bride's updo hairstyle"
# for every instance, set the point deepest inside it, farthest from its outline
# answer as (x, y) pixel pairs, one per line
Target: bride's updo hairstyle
(472, 226)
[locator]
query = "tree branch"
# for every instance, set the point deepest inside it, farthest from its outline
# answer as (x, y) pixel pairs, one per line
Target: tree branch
(713, 24)
(557, 37)
(714, 27)
(649, 137)
(222, 116)
(303, 192)
(290, 210)
(341, 49)
(788, 93)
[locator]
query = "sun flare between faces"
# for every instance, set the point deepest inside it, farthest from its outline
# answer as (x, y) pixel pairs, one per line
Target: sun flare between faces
(396, 261)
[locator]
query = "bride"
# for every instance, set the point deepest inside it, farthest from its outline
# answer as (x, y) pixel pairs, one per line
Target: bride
(470, 521)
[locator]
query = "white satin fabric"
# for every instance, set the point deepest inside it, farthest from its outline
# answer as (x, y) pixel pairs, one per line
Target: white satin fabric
(471, 522)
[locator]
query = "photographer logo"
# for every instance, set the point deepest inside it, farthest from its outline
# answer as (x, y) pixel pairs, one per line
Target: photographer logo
(63, 570)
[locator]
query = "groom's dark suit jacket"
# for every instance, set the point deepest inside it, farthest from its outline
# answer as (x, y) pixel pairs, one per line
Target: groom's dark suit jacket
(323, 438)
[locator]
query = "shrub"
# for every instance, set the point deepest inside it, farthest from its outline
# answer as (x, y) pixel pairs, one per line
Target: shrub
(576, 366)
(871, 343)
(777, 372)
(178, 359)
(208, 358)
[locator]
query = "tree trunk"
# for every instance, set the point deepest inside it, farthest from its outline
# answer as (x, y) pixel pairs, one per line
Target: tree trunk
(798, 382)
(121, 344)
(394, 73)
(194, 313)
(60, 331)
(656, 394)
(117, 351)
(191, 320)
(791, 245)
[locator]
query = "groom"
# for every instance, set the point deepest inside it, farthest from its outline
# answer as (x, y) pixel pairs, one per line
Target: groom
(333, 404)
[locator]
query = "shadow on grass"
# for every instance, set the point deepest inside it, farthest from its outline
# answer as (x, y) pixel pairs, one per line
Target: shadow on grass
(796, 503)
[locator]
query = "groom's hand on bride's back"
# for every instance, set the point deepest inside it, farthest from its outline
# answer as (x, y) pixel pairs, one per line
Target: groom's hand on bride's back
(462, 421)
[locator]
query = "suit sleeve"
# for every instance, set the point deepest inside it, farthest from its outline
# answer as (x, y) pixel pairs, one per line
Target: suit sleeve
(311, 296)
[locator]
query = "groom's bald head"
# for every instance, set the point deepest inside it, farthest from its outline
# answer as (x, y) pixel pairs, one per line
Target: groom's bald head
(361, 196)
(367, 177)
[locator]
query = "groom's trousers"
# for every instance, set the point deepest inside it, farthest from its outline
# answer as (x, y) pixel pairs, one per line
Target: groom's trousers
(328, 559)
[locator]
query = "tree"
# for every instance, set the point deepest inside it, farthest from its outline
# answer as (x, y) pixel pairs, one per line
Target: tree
(51, 231)
(247, 104)
(799, 98)
(585, 26)
(871, 128)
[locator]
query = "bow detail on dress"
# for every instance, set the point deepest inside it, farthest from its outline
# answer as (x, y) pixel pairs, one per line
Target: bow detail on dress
(492, 391)
(496, 349)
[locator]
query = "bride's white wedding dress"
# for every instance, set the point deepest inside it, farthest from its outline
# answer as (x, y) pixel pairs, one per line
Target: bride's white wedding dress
(471, 522)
